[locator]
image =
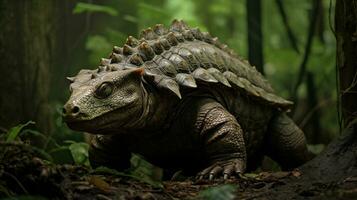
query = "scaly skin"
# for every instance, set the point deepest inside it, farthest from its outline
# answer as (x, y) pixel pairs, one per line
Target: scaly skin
(183, 101)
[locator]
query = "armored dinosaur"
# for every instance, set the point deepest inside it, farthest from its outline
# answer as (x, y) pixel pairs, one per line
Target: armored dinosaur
(182, 100)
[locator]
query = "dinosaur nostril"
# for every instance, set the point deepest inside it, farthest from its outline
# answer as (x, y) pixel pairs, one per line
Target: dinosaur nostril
(75, 109)
(64, 111)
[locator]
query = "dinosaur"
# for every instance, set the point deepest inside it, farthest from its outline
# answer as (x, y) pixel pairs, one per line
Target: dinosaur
(182, 100)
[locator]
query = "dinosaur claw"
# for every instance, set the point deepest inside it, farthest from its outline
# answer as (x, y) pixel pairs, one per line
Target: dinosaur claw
(225, 176)
(223, 169)
(211, 176)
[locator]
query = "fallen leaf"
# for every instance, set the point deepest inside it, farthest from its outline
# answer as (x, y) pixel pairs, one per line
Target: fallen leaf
(98, 182)
(296, 173)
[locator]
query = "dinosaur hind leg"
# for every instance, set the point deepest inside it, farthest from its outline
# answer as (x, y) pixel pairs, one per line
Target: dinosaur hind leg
(286, 142)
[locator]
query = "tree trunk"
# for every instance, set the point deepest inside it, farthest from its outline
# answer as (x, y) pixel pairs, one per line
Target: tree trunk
(27, 44)
(255, 37)
(346, 33)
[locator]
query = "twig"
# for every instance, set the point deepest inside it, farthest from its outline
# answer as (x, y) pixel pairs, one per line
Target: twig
(15, 143)
(337, 79)
(17, 181)
(351, 87)
(329, 19)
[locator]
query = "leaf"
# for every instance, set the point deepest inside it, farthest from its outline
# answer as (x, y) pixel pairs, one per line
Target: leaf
(4, 190)
(61, 155)
(316, 148)
(114, 172)
(222, 192)
(88, 7)
(43, 154)
(99, 183)
(69, 142)
(144, 170)
(296, 173)
(251, 175)
(131, 18)
(14, 131)
(154, 9)
(40, 135)
(79, 152)
(106, 170)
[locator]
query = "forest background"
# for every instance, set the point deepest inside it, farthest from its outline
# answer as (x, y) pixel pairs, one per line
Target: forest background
(290, 41)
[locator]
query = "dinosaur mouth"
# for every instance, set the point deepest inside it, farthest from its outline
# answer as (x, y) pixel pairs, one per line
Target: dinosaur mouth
(102, 124)
(92, 126)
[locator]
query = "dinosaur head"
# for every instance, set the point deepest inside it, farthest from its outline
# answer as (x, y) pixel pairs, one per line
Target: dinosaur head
(101, 102)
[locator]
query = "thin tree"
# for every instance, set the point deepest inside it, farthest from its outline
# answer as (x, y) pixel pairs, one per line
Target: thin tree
(255, 36)
(305, 58)
(289, 31)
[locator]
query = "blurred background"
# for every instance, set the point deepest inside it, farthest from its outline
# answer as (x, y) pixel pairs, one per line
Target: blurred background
(44, 41)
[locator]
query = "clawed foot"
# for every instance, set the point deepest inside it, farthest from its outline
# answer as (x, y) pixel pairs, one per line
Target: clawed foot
(225, 168)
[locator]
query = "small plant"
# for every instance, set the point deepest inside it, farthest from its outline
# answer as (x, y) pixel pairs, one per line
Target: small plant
(69, 152)
(79, 152)
(12, 134)
(222, 192)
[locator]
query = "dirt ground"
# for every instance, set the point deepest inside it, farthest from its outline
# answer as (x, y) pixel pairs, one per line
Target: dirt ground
(23, 173)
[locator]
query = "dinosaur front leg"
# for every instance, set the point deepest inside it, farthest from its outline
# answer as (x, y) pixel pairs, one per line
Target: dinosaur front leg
(105, 151)
(223, 141)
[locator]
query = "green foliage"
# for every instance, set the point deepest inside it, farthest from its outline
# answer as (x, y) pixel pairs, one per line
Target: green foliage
(130, 174)
(93, 8)
(98, 47)
(15, 131)
(69, 152)
(316, 148)
(79, 152)
(145, 171)
(61, 155)
(141, 170)
(222, 192)
(42, 154)
(3, 189)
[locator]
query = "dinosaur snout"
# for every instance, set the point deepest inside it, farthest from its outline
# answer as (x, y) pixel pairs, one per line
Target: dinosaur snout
(70, 112)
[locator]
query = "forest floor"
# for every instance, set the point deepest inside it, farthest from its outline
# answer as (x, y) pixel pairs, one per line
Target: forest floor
(23, 173)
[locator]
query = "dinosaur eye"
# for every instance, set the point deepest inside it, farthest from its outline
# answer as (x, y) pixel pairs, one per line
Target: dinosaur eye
(104, 90)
